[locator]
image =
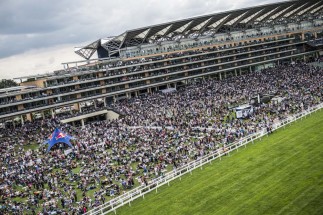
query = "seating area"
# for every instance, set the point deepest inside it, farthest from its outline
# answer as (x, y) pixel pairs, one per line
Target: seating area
(133, 72)
(159, 132)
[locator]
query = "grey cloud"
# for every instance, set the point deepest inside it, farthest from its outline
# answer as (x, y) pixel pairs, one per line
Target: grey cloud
(32, 16)
(33, 24)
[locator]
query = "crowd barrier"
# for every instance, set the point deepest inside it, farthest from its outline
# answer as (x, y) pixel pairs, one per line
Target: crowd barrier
(154, 184)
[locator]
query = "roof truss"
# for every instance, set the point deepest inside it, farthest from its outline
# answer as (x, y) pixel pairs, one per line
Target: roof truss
(269, 13)
(316, 9)
(306, 9)
(87, 51)
(252, 17)
(280, 13)
(286, 15)
(265, 15)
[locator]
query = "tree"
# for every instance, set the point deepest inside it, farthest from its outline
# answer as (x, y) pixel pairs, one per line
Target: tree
(4, 83)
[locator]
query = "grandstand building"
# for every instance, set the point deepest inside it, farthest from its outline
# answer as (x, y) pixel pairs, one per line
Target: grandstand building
(168, 56)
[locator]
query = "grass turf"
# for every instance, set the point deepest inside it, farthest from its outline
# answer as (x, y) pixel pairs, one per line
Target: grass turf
(281, 174)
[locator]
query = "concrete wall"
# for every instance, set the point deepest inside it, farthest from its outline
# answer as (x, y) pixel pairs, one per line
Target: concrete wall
(38, 83)
(111, 115)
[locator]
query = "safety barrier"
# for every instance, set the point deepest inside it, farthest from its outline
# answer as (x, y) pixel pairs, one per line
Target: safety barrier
(154, 184)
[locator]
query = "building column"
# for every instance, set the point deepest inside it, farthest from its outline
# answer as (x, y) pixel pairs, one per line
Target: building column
(29, 117)
(22, 120)
(250, 69)
(43, 114)
(80, 108)
(106, 116)
(77, 107)
(94, 103)
(220, 75)
(82, 122)
(235, 71)
(105, 102)
(225, 75)
(53, 113)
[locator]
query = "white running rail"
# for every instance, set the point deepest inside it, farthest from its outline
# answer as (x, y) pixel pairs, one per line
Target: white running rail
(154, 184)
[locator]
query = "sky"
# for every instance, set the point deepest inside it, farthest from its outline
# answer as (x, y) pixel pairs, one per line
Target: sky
(36, 36)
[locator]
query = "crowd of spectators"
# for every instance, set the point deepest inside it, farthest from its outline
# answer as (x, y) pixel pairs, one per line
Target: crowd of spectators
(159, 132)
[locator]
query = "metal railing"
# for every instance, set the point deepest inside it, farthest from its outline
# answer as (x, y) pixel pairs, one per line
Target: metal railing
(154, 184)
(155, 84)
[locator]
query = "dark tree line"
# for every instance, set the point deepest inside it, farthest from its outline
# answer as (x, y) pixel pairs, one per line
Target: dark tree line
(4, 83)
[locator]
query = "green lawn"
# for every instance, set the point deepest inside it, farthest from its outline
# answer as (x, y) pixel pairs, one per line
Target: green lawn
(282, 174)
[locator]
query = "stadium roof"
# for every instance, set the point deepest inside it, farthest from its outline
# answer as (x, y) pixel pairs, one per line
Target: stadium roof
(210, 24)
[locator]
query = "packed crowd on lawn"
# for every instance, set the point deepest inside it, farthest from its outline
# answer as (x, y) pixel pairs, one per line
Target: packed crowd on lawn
(159, 132)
